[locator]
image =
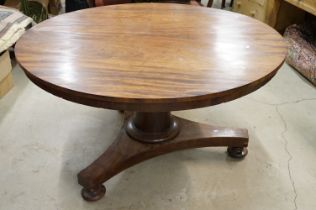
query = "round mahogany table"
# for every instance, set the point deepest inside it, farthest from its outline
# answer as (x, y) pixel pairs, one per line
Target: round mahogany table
(150, 59)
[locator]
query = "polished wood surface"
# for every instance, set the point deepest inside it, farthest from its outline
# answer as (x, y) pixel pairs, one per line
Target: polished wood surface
(151, 59)
(151, 56)
(152, 127)
(125, 152)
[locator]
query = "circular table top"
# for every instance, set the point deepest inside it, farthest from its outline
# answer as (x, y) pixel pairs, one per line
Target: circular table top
(151, 56)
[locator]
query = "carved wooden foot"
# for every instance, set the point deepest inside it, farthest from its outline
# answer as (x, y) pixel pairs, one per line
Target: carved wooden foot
(237, 152)
(126, 151)
(93, 194)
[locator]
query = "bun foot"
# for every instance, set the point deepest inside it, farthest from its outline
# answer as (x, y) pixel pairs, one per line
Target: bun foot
(93, 194)
(237, 152)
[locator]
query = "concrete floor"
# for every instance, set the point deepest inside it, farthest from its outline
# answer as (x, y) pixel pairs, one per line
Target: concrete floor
(45, 141)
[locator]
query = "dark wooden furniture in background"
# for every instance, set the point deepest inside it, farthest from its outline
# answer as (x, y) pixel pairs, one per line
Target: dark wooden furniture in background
(93, 3)
(192, 2)
(224, 3)
(98, 3)
(151, 59)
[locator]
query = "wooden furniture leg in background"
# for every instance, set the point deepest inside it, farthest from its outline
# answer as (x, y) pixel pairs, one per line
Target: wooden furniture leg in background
(223, 4)
(210, 3)
(130, 149)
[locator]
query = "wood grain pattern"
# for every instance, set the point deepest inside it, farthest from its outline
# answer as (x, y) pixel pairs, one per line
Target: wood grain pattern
(116, 158)
(151, 56)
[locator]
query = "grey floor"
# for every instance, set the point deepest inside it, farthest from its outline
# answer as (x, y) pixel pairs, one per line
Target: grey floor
(45, 141)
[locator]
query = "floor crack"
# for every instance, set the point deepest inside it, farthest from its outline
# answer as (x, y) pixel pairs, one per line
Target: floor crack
(288, 153)
(290, 157)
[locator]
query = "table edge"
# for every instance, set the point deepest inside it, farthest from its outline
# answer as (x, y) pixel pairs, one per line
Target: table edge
(152, 105)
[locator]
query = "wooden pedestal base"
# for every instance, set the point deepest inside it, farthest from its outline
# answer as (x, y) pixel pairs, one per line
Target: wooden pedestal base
(129, 149)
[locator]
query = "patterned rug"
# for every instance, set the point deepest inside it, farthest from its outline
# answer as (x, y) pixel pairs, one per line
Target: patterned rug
(302, 48)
